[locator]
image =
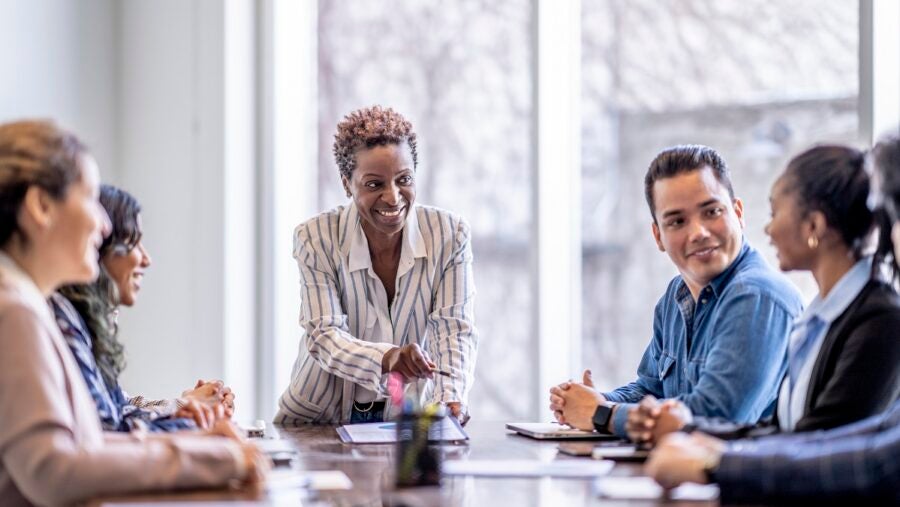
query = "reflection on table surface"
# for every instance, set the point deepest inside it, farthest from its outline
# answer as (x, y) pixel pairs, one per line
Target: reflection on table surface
(371, 468)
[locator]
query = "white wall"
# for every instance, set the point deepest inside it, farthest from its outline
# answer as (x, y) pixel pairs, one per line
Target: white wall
(166, 333)
(187, 152)
(58, 62)
(169, 117)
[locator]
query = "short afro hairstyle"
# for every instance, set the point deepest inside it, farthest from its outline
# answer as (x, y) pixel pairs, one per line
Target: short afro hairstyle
(367, 128)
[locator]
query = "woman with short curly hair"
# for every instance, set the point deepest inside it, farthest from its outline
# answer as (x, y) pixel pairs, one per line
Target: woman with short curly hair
(386, 286)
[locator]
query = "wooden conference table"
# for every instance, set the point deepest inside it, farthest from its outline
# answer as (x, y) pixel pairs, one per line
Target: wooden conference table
(370, 467)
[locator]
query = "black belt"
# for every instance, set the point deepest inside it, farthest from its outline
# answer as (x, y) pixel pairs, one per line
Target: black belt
(368, 407)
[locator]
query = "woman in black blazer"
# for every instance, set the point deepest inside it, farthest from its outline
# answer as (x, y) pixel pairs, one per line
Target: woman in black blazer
(844, 351)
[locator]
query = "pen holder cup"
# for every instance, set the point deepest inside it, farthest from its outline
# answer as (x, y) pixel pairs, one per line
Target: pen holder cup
(417, 463)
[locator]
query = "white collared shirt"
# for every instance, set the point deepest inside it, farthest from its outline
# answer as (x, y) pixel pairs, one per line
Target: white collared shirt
(379, 328)
(792, 402)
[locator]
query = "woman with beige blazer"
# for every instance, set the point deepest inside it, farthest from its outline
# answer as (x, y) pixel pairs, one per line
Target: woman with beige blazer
(52, 448)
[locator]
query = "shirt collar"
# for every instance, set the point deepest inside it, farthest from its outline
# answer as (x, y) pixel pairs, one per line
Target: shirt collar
(18, 279)
(356, 246)
(722, 278)
(841, 295)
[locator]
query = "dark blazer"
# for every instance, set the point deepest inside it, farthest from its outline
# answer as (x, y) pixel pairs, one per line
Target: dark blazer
(856, 374)
(838, 466)
(857, 371)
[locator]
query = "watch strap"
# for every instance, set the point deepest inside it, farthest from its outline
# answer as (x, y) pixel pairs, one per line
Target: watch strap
(601, 418)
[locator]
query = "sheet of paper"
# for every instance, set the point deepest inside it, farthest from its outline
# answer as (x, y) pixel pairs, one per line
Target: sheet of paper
(528, 468)
(448, 429)
(274, 445)
(324, 480)
(645, 488)
(613, 452)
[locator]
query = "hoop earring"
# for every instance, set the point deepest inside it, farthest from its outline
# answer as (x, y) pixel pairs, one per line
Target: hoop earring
(812, 242)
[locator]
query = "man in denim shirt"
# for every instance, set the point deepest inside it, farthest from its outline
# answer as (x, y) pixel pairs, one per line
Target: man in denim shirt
(720, 331)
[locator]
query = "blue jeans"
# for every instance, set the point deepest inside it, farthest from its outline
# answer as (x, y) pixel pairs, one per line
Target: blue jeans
(376, 414)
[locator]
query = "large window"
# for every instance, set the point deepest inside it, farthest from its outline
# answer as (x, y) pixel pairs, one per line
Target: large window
(462, 73)
(757, 80)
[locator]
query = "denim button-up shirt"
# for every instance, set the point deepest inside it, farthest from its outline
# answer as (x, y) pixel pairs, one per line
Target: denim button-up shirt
(724, 354)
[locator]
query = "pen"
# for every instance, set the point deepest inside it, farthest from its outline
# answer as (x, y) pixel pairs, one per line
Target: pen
(442, 372)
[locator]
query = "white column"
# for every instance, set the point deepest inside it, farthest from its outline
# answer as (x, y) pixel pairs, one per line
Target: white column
(879, 68)
(241, 238)
(288, 181)
(58, 58)
(558, 194)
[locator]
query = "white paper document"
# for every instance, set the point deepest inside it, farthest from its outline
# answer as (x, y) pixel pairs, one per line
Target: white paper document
(274, 445)
(319, 480)
(446, 430)
(645, 488)
(528, 468)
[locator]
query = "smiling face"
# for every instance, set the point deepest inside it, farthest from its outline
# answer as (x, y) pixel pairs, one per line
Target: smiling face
(126, 268)
(698, 225)
(789, 228)
(77, 227)
(383, 188)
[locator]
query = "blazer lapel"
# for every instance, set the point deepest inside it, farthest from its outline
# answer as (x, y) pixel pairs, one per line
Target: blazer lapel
(824, 360)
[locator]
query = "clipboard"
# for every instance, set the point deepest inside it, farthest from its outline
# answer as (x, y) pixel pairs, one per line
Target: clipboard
(448, 430)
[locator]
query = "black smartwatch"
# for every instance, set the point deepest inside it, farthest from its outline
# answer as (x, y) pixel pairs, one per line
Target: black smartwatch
(601, 418)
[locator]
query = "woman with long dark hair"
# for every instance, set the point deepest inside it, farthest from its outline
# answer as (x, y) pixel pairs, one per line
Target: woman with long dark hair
(53, 450)
(86, 314)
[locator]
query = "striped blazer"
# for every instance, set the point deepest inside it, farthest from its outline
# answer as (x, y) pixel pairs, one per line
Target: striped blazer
(340, 295)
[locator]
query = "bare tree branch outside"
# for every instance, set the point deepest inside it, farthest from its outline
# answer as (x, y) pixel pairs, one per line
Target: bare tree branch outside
(758, 80)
